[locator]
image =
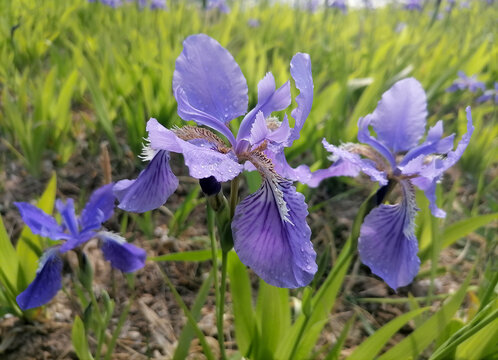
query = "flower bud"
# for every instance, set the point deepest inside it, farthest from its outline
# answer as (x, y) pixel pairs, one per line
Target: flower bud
(210, 186)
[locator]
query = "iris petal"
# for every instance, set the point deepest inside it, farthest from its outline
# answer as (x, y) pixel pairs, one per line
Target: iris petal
(400, 117)
(39, 222)
(122, 255)
(365, 138)
(387, 242)
(272, 237)
(47, 282)
(68, 215)
(269, 100)
(211, 81)
(151, 189)
(98, 209)
(365, 165)
(201, 157)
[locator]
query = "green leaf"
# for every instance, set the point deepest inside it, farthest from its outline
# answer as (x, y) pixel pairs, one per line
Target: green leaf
(243, 312)
(188, 332)
(9, 261)
(464, 227)
(336, 349)
(80, 344)
(425, 334)
(374, 344)
(194, 255)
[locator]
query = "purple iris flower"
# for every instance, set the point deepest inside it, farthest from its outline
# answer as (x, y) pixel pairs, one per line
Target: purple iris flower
(413, 5)
(220, 5)
(387, 242)
(466, 83)
(112, 3)
(338, 4)
(74, 231)
(489, 94)
(269, 226)
(157, 4)
(253, 23)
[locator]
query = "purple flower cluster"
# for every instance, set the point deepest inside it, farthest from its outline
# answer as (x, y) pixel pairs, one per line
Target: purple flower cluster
(387, 242)
(413, 5)
(152, 4)
(269, 227)
(74, 231)
(220, 5)
(338, 4)
(463, 82)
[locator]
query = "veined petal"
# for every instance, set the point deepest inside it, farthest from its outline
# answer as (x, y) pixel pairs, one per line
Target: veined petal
(47, 282)
(261, 131)
(429, 189)
(301, 73)
(39, 222)
(122, 255)
(211, 80)
(433, 144)
(365, 165)
(271, 234)
(98, 209)
(387, 242)
(269, 100)
(400, 117)
(201, 157)
(68, 215)
(151, 189)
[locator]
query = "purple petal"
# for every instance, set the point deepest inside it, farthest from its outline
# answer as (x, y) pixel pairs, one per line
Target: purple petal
(301, 73)
(269, 100)
(365, 138)
(76, 240)
(399, 119)
(260, 131)
(211, 81)
(387, 243)
(365, 165)
(39, 222)
(272, 237)
(98, 209)
(68, 215)
(47, 282)
(151, 189)
(429, 189)
(202, 159)
(122, 255)
(433, 144)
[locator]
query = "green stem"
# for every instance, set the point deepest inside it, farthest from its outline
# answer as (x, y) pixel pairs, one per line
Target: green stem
(202, 339)
(221, 310)
(234, 195)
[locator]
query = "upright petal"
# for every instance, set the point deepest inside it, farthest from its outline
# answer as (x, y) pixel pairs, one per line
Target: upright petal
(202, 157)
(47, 282)
(98, 209)
(269, 100)
(122, 255)
(39, 222)
(387, 242)
(301, 73)
(399, 119)
(151, 189)
(211, 81)
(271, 234)
(367, 166)
(68, 215)
(365, 138)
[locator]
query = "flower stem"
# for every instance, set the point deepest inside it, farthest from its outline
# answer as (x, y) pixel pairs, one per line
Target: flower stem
(221, 310)
(234, 195)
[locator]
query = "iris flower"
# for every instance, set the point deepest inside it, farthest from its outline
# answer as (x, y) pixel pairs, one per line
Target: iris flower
(74, 231)
(466, 83)
(387, 242)
(220, 5)
(413, 5)
(338, 4)
(489, 94)
(269, 226)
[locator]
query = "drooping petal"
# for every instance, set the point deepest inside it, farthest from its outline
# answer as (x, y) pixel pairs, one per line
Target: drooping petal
(98, 209)
(201, 157)
(68, 215)
(151, 189)
(271, 234)
(387, 242)
(429, 189)
(47, 282)
(433, 144)
(301, 73)
(367, 166)
(399, 119)
(39, 222)
(122, 255)
(269, 100)
(211, 81)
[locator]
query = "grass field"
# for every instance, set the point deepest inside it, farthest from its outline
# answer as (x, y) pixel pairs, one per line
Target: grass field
(79, 80)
